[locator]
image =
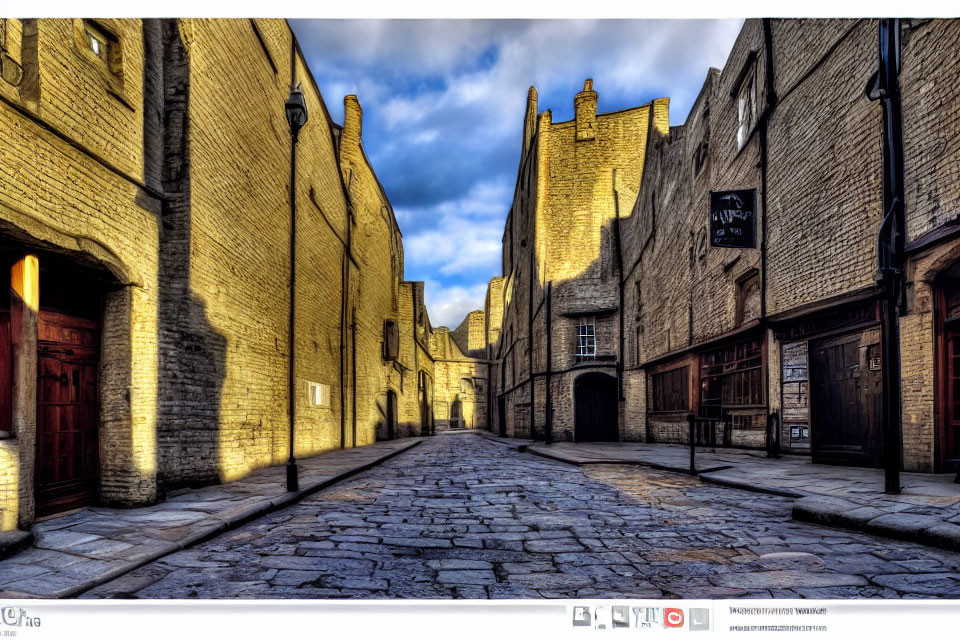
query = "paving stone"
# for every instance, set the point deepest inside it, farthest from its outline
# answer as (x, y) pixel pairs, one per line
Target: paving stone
(466, 576)
(651, 534)
(785, 579)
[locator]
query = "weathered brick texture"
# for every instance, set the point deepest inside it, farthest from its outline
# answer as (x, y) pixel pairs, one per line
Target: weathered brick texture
(163, 166)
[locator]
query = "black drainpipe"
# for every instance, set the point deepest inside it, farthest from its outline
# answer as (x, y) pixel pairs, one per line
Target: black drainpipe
(533, 380)
(548, 431)
(616, 237)
(770, 89)
(353, 376)
(885, 86)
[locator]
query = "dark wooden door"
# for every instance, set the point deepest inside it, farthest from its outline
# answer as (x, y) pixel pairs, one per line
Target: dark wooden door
(596, 408)
(845, 381)
(502, 415)
(950, 398)
(948, 372)
(6, 374)
(391, 415)
(67, 465)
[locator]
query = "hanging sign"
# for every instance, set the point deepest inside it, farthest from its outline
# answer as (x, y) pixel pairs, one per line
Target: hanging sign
(732, 218)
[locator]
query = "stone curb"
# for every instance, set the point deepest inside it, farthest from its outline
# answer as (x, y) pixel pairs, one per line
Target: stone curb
(837, 512)
(13, 541)
(709, 476)
(816, 509)
(264, 507)
(638, 463)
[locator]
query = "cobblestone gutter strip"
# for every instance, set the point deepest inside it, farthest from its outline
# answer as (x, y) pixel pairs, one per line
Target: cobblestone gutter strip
(29, 579)
(837, 512)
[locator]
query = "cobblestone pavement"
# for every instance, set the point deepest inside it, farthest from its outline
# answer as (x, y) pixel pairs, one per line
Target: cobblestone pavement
(463, 517)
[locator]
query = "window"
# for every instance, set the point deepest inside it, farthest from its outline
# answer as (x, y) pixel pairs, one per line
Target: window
(101, 47)
(731, 377)
(318, 394)
(746, 109)
(748, 297)
(391, 340)
(586, 339)
(96, 42)
(700, 156)
(670, 390)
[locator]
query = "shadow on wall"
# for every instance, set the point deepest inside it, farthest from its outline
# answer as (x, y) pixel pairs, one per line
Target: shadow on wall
(192, 354)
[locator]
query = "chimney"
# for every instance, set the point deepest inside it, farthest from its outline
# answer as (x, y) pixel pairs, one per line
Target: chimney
(352, 117)
(585, 107)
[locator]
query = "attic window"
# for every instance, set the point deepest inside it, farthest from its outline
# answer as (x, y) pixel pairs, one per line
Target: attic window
(97, 41)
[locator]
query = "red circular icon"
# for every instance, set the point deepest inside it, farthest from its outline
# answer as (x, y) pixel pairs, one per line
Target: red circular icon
(673, 617)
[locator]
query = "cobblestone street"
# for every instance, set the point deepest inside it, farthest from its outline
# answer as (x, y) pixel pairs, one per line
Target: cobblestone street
(461, 516)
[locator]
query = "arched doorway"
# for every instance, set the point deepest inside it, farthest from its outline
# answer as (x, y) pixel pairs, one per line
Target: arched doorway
(67, 464)
(456, 413)
(595, 408)
(391, 415)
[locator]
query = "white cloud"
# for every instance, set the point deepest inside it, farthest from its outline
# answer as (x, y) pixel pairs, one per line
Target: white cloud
(448, 305)
(444, 102)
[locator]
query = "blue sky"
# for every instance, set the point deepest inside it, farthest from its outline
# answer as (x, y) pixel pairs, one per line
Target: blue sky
(443, 104)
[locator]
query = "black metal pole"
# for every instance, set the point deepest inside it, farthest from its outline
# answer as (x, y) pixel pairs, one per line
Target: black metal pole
(773, 429)
(691, 419)
(885, 87)
(548, 397)
(292, 479)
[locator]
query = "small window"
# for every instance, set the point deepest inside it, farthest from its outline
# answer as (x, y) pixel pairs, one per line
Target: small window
(747, 297)
(700, 156)
(746, 109)
(586, 339)
(391, 340)
(96, 40)
(319, 394)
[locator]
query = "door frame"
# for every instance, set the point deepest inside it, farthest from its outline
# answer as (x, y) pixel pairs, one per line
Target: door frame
(606, 378)
(812, 343)
(96, 357)
(941, 464)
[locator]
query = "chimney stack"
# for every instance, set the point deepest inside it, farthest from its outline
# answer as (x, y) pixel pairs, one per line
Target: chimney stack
(585, 107)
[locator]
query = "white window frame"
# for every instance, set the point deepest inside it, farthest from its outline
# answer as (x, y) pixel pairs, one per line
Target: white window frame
(318, 394)
(586, 338)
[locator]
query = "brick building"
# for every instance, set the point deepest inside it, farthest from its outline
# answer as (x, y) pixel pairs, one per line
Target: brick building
(145, 224)
(790, 328)
(555, 312)
(785, 329)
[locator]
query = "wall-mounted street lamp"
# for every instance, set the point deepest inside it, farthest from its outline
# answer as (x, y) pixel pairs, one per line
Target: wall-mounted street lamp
(296, 108)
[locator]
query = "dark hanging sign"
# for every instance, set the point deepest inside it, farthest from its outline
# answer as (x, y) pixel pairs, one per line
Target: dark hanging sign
(732, 218)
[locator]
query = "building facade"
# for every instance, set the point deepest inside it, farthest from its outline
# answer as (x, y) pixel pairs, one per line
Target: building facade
(554, 314)
(742, 267)
(145, 221)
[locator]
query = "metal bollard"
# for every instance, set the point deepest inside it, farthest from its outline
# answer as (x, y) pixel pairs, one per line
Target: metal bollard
(773, 435)
(693, 444)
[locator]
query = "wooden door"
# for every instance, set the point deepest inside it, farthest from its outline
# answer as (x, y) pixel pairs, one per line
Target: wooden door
(391, 415)
(845, 401)
(950, 399)
(596, 408)
(502, 415)
(948, 373)
(67, 464)
(6, 374)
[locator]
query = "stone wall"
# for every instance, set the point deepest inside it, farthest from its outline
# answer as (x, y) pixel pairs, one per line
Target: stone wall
(162, 167)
